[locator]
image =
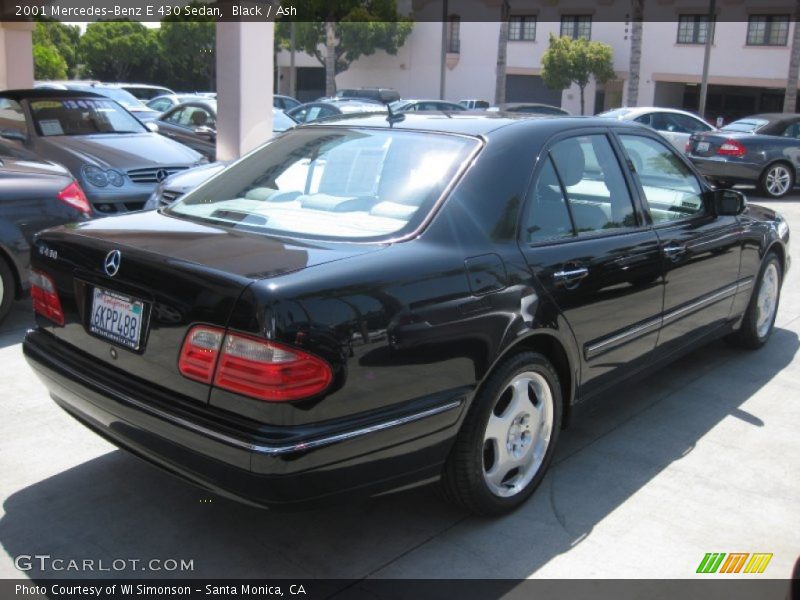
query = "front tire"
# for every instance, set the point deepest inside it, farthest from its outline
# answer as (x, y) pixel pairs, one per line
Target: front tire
(759, 319)
(777, 180)
(508, 437)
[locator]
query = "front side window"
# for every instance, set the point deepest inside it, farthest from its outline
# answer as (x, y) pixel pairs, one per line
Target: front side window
(671, 190)
(792, 131)
(82, 116)
(522, 28)
(576, 26)
(693, 29)
(768, 30)
(591, 177)
(332, 183)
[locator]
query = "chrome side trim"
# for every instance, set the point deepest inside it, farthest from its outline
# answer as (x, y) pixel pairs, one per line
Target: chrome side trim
(641, 329)
(698, 304)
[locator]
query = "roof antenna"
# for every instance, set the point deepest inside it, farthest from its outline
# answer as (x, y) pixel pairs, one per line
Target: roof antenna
(393, 116)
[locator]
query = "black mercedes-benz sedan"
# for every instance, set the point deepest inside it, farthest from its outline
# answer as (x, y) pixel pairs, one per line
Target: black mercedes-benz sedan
(379, 302)
(762, 150)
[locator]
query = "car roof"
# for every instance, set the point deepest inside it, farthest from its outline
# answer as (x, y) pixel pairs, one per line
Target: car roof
(772, 117)
(23, 94)
(468, 123)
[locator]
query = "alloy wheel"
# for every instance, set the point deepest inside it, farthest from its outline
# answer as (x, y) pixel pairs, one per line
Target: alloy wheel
(767, 300)
(778, 180)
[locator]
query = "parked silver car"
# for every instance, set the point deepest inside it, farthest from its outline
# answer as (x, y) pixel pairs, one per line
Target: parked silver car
(675, 125)
(117, 160)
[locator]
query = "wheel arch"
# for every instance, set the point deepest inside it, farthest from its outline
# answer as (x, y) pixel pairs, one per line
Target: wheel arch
(777, 247)
(7, 257)
(549, 345)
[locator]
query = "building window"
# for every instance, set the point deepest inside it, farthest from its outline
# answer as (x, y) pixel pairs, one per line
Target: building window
(693, 29)
(576, 26)
(522, 29)
(768, 30)
(454, 34)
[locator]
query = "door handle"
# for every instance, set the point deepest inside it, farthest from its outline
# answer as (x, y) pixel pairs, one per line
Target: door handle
(571, 276)
(673, 251)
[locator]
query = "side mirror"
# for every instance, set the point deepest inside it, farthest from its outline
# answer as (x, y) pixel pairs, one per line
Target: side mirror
(729, 203)
(206, 132)
(151, 126)
(13, 134)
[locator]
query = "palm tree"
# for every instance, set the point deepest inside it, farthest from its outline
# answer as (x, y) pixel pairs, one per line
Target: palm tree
(330, 58)
(502, 47)
(790, 99)
(637, 13)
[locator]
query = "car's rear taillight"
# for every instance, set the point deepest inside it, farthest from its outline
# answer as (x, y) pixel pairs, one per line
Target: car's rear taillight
(73, 196)
(731, 148)
(45, 297)
(688, 147)
(252, 366)
(200, 352)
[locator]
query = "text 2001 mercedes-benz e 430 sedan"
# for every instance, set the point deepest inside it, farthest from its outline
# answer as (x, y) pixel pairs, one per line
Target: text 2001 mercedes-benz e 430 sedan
(374, 303)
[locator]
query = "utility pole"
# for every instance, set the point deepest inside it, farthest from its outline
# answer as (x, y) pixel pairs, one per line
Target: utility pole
(443, 66)
(712, 7)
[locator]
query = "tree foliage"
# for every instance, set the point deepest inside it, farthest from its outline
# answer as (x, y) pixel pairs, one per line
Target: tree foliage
(188, 52)
(56, 43)
(119, 51)
(48, 63)
(568, 61)
(360, 28)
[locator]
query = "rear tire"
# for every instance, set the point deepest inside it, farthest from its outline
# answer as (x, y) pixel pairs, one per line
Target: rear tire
(759, 319)
(7, 289)
(777, 180)
(507, 440)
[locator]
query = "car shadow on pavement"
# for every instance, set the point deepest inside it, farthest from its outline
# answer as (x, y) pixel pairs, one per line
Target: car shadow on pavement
(117, 507)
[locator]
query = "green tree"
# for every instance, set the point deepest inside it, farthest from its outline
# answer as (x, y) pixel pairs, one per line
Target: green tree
(187, 49)
(568, 61)
(348, 30)
(63, 38)
(120, 51)
(48, 63)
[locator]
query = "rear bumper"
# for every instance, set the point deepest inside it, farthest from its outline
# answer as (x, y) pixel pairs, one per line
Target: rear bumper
(266, 466)
(726, 169)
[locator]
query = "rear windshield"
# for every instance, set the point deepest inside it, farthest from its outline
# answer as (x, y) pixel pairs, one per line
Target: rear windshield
(82, 116)
(332, 183)
(746, 125)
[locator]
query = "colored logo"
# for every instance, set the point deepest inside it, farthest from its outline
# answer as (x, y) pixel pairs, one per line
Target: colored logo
(734, 562)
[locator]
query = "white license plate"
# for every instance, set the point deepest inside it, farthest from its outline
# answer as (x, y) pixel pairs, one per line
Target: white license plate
(702, 147)
(117, 318)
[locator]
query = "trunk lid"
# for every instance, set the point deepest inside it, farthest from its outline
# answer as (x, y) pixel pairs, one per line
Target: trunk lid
(172, 273)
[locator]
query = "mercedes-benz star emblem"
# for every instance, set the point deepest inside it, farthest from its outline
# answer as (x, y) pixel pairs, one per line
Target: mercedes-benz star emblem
(161, 175)
(112, 262)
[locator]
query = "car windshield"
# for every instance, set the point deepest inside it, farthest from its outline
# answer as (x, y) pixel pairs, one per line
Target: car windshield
(332, 183)
(82, 116)
(746, 125)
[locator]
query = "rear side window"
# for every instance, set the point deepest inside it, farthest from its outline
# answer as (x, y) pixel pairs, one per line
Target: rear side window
(670, 188)
(332, 183)
(547, 216)
(599, 199)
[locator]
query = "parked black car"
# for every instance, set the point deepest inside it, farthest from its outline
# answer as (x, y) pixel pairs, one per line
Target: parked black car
(762, 150)
(194, 124)
(530, 108)
(34, 195)
(369, 304)
(382, 95)
(117, 159)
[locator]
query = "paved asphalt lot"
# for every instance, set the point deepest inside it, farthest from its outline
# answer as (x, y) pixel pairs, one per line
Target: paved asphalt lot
(703, 457)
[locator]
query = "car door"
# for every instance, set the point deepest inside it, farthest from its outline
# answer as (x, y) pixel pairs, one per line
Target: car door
(591, 251)
(701, 251)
